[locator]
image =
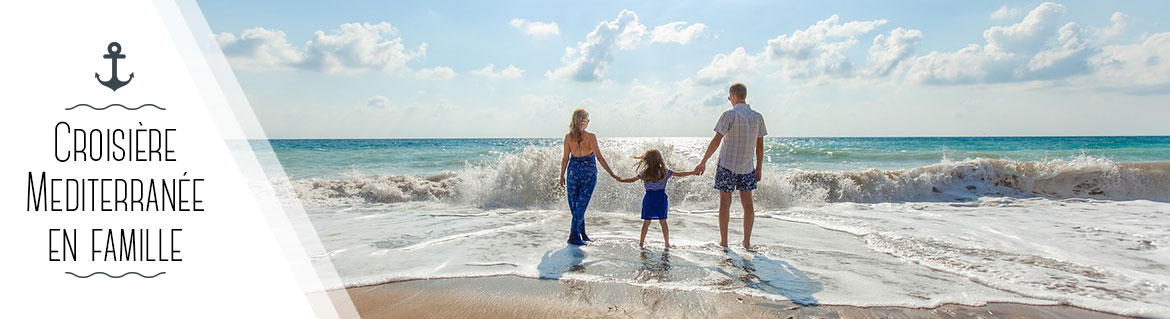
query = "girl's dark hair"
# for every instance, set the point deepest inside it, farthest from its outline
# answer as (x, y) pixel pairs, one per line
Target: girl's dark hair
(651, 165)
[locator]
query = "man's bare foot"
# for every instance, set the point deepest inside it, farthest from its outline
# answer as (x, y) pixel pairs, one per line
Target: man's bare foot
(748, 246)
(723, 244)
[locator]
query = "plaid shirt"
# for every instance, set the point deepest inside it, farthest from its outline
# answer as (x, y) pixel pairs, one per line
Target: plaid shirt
(740, 126)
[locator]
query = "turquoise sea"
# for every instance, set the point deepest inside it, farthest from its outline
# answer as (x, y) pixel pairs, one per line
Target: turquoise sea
(330, 157)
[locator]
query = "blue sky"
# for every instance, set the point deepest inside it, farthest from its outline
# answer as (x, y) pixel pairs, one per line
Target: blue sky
(909, 68)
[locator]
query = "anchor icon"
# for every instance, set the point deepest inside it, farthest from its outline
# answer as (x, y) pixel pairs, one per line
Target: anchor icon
(115, 53)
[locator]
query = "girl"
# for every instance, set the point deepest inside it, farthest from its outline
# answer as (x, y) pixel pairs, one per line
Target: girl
(580, 151)
(654, 173)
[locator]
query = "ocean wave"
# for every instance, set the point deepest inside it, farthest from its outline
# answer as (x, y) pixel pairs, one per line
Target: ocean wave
(529, 179)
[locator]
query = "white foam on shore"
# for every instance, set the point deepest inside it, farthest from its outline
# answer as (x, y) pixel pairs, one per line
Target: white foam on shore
(1102, 255)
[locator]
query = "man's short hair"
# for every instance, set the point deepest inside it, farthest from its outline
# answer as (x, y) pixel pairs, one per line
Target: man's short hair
(739, 90)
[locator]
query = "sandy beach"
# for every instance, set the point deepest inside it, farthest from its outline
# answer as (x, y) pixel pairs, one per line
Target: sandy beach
(517, 297)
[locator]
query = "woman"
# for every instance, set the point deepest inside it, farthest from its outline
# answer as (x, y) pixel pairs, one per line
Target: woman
(581, 152)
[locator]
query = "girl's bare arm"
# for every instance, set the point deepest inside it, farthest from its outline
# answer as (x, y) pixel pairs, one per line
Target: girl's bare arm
(681, 174)
(628, 180)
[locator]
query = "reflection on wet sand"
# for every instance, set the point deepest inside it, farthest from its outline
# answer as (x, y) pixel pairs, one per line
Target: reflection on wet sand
(730, 270)
(769, 276)
(655, 267)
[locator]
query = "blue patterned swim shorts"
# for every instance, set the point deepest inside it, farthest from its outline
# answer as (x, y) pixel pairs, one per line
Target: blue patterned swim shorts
(727, 181)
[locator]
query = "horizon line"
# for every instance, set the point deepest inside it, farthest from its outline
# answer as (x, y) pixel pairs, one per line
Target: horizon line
(810, 136)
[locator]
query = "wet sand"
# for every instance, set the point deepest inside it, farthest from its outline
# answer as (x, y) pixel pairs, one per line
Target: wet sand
(516, 297)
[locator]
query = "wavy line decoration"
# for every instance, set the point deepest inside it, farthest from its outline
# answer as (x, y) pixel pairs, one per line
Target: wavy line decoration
(115, 104)
(117, 276)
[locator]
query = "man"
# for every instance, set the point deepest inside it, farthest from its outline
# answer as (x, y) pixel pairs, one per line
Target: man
(741, 132)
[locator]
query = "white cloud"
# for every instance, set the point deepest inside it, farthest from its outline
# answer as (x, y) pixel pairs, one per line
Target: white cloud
(437, 73)
(967, 65)
(378, 101)
(1119, 22)
(716, 98)
(1033, 49)
(1027, 36)
(353, 47)
(359, 47)
(258, 48)
(489, 71)
(1070, 45)
(676, 32)
(819, 49)
(535, 28)
(1141, 66)
(888, 51)
(725, 67)
(1039, 48)
(1005, 13)
(587, 62)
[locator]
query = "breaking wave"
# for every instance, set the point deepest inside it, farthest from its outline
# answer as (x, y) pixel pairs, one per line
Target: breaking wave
(529, 179)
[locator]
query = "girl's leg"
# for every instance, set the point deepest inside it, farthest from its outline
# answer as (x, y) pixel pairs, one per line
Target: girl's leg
(645, 227)
(665, 232)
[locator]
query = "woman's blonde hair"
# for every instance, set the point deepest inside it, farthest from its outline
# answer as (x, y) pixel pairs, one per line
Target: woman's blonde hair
(577, 125)
(651, 165)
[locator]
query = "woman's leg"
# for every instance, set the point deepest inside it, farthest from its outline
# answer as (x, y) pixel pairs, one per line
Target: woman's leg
(665, 232)
(645, 227)
(585, 196)
(573, 193)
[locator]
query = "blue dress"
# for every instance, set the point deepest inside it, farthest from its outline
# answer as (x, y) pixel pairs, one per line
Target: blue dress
(655, 203)
(582, 178)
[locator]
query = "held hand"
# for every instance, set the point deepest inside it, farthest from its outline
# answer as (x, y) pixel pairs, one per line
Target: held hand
(562, 181)
(700, 168)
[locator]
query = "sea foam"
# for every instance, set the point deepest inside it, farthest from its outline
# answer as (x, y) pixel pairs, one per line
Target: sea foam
(529, 179)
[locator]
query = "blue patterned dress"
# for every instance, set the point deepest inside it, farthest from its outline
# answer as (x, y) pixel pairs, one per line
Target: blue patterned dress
(582, 179)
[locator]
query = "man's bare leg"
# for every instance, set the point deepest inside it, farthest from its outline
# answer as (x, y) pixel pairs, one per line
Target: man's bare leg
(724, 216)
(749, 217)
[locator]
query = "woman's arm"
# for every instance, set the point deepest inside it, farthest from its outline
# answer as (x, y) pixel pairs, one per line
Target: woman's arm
(565, 160)
(601, 158)
(627, 180)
